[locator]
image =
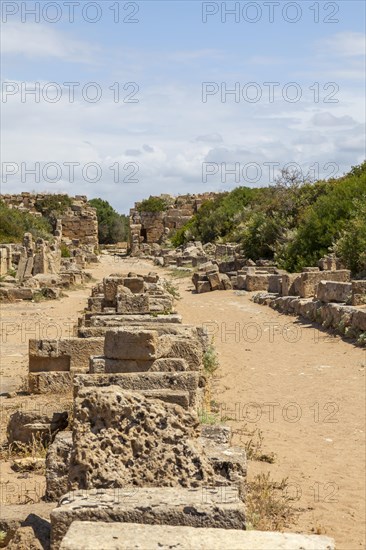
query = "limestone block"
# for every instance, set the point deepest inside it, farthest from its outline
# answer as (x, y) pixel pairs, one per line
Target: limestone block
(359, 293)
(135, 284)
(130, 344)
(291, 284)
(154, 505)
(133, 304)
(57, 465)
(110, 287)
(50, 382)
(256, 282)
(203, 286)
(144, 381)
(330, 291)
(109, 536)
(120, 438)
(214, 280)
(275, 284)
(44, 422)
(310, 281)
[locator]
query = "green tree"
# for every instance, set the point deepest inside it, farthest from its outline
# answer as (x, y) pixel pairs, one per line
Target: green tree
(112, 226)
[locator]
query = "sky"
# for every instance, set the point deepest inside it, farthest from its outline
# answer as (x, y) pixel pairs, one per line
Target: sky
(122, 100)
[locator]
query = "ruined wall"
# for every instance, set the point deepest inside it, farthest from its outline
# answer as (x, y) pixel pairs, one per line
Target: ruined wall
(150, 228)
(79, 225)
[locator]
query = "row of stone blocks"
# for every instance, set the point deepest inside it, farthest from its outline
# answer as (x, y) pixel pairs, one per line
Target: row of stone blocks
(137, 455)
(348, 321)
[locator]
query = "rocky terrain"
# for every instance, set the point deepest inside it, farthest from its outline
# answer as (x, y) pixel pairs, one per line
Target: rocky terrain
(144, 410)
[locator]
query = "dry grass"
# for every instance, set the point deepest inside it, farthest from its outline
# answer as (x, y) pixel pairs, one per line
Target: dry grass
(268, 504)
(252, 441)
(182, 273)
(26, 457)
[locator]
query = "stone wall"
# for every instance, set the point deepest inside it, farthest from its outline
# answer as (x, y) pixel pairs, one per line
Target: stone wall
(79, 225)
(152, 228)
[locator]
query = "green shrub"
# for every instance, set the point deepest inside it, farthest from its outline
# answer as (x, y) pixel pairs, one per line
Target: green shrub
(53, 206)
(15, 223)
(351, 245)
(112, 226)
(65, 252)
(153, 204)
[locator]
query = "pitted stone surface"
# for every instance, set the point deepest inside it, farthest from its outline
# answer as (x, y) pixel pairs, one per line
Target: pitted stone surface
(120, 438)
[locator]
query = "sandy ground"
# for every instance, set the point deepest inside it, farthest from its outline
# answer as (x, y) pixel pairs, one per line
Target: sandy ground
(304, 389)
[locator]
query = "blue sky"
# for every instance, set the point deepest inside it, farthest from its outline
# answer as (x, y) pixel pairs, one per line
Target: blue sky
(169, 140)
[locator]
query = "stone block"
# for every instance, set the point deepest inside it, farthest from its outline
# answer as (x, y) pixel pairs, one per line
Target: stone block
(225, 282)
(130, 344)
(24, 425)
(121, 438)
(203, 286)
(291, 284)
(111, 285)
(50, 382)
(309, 281)
(57, 466)
(275, 284)
(133, 304)
(359, 293)
(144, 381)
(135, 284)
(256, 282)
(155, 505)
(109, 536)
(214, 280)
(66, 354)
(330, 291)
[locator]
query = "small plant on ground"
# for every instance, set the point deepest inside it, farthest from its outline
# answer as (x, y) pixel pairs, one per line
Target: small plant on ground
(210, 360)
(172, 289)
(180, 273)
(268, 504)
(252, 441)
(206, 417)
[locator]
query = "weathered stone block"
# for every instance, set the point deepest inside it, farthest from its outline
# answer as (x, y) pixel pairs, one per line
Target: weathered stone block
(133, 304)
(130, 344)
(256, 282)
(330, 291)
(135, 284)
(57, 466)
(50, 382)
(309, 281)
(167, 506)
(121, 439)
(144, 381)
(94, 534)
(23, 426)
(203, 286)
(359, 293)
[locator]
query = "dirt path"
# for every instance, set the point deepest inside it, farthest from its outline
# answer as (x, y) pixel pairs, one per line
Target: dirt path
(302, 388)
(305, 391)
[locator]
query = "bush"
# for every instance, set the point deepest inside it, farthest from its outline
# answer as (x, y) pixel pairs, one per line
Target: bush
(15, 223)
(351, 245)
(53, 206)
(112, 226)
(153, 204)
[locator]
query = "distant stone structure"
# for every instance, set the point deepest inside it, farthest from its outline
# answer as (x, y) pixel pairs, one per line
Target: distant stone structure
(78, 224)
(38, 265)
(149, 229)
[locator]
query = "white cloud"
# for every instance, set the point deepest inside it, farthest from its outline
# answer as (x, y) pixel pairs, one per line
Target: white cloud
(345, 44)
(327, 119)
(34, 40)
